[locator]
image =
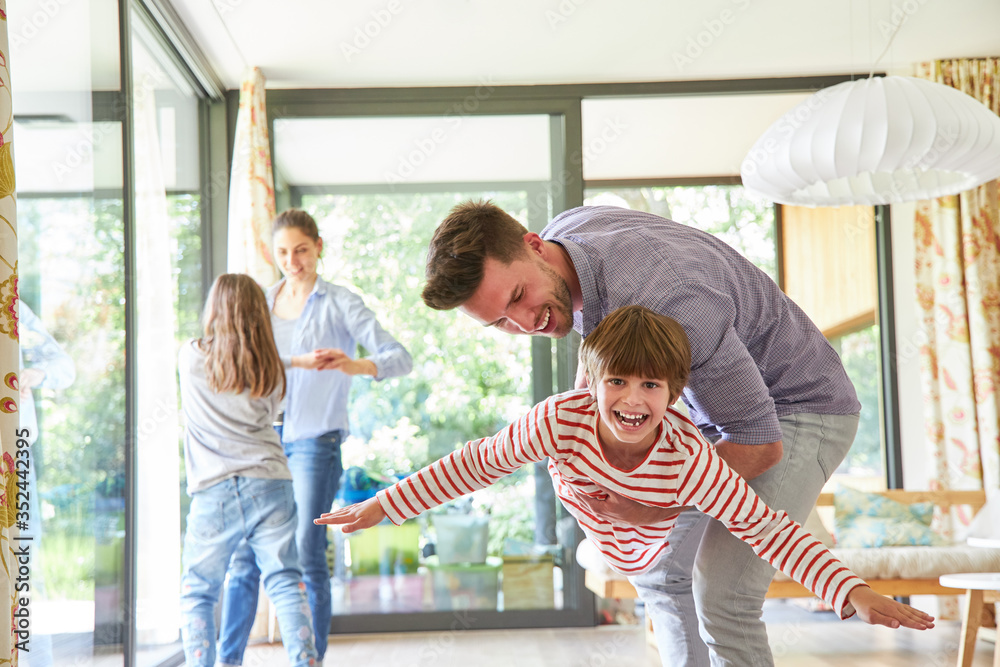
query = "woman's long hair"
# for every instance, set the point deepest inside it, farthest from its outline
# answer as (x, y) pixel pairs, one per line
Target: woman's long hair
(238, 343)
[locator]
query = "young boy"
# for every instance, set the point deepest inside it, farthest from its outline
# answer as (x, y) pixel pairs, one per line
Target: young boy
(621, 434)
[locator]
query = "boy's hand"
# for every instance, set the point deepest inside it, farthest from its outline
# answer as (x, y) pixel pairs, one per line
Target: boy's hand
(354, 517)
(619, 509)
(879, 610)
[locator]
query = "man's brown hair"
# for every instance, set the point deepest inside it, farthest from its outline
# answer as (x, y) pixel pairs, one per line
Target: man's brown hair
(636, 341)
(473, 231)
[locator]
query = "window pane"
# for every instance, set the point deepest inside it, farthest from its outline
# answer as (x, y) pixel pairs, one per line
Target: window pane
(74, 245)
(830, 270)
(429, 149)
(726, 211)
(68, 158)
(468, 382)
(666, 137)
(378, 188)
(168, 291)
(864, 465)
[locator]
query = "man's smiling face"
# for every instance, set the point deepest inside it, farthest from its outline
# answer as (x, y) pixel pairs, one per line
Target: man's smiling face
(524, 297)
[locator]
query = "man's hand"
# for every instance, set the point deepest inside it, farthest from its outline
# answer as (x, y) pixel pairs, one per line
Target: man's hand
(620, 509)
(749, 461)
(354, 517)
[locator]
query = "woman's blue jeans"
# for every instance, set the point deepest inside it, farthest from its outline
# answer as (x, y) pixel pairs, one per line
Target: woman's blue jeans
(258, 514)
(316, 468)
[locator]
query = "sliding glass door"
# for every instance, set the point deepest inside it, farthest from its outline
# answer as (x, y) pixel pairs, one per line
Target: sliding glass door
(378, 188)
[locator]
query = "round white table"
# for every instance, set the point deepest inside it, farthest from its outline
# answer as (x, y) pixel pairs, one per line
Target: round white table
(980, 588)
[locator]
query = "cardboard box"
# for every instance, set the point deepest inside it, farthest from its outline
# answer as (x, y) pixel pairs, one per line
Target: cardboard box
(527, 582)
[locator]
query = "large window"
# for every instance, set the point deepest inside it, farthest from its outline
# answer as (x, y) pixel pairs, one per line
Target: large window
(829, 269)
(726, 211)
(110, 261)
(826, 262)
(169, 286)
(836, 289)
(68, 157)
(377, 206)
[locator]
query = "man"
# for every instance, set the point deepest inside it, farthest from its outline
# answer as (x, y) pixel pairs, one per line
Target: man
(765, 385)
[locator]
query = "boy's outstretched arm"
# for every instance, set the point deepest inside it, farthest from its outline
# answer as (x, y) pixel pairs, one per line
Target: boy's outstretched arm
(354, 517)
(877, 609)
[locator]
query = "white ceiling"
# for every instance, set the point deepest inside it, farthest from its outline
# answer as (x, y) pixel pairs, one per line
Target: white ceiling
(372, 43)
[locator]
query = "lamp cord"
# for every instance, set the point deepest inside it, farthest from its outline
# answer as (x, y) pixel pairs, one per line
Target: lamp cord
(886, 49)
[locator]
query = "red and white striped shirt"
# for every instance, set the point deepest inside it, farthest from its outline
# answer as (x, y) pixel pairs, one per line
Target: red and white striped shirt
(682, 468)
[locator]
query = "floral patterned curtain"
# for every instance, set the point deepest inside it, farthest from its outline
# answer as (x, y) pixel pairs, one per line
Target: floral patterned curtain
(9, 364)
(251, 187)
(958, 290)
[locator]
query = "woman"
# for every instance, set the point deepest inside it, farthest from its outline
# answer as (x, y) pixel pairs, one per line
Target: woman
(317, 328)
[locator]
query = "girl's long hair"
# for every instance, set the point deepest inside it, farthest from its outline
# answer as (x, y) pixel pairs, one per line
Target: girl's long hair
(238, 343)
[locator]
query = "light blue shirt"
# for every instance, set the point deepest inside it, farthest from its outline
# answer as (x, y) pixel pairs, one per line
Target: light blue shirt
(284, 332)
(333, 317)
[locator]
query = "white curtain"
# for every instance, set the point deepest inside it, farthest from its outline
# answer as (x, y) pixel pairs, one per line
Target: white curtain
(157, 454)
(251, 187)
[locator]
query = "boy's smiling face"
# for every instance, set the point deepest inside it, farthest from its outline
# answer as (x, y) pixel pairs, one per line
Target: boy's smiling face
(631, 409)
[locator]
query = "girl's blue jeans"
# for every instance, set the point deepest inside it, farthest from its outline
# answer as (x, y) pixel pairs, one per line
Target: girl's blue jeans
(316, 468)
(259, 514)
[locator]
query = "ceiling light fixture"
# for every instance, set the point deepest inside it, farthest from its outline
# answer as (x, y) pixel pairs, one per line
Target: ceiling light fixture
(880, 140)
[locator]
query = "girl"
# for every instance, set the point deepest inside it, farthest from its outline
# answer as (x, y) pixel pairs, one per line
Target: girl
(318, 326)
(232, 382)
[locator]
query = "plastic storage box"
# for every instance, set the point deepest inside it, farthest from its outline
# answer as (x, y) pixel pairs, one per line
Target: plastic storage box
(461, 538)
(385, 549)
(464, 586)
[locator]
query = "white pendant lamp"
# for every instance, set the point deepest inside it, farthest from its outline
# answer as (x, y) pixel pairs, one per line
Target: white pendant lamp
(873, 141)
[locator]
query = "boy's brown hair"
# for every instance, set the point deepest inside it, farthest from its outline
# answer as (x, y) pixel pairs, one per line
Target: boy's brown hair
(238, 343)
(634, 340)
(473, 231)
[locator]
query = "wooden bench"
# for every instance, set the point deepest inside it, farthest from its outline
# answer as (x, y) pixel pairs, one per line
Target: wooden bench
(612, 585)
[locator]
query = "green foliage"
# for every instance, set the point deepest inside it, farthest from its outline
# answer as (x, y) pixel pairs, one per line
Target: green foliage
(184, 211)
(467, 381)
(84, 438)
(725, 211)
(860, 354)
(512, 513)
(67, 565)
(81, 450)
